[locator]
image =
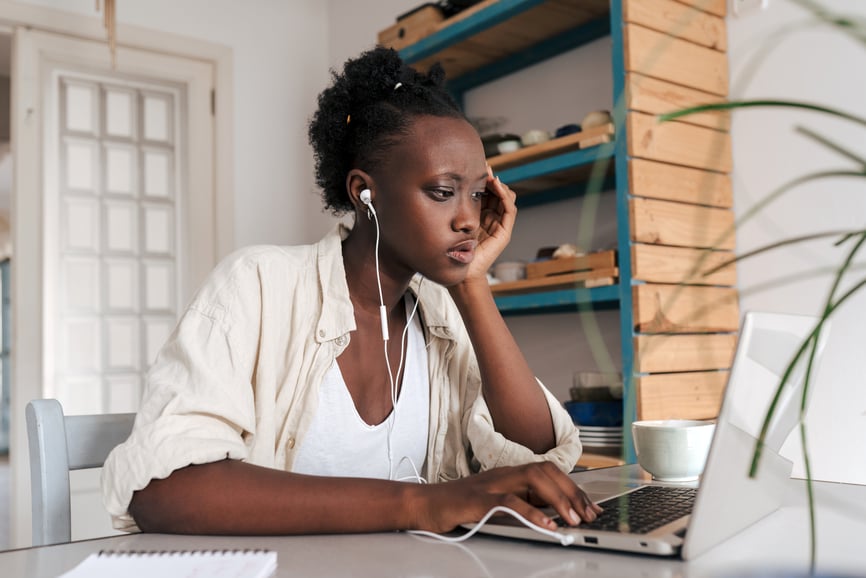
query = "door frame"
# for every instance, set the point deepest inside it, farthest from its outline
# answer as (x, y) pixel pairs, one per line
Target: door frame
(27, 308)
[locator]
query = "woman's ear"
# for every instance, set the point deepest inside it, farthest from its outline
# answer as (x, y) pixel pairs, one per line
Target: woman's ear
(357, 181)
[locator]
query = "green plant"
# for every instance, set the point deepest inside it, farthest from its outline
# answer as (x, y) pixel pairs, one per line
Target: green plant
(853, 239)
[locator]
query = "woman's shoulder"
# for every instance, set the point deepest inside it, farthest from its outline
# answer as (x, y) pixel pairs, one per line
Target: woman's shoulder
(246, 272)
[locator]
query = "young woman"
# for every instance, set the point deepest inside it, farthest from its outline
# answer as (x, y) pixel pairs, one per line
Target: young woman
(277, 406)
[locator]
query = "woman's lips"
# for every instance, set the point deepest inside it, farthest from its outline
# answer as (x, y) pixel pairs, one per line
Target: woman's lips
(463, 252)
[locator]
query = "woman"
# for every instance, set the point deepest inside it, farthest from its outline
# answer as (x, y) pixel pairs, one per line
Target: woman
(302, 392)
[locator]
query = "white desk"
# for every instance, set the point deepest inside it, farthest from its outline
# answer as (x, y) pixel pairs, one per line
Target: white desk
(780, 541)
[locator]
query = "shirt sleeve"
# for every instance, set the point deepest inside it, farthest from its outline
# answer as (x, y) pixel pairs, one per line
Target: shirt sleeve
(198, 404)
(491, 449)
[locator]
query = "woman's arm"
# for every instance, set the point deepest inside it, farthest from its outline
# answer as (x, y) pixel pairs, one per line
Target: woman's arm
(233, 497)
(517, 405)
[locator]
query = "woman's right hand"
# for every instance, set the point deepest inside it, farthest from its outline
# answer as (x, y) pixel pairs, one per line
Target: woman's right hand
(444, 506)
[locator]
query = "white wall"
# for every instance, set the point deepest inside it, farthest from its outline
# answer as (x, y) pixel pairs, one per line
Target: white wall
(279, 52)
(280, 65)
(820, 65)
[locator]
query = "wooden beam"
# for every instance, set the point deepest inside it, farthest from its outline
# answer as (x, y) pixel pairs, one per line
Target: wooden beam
(685, 309)
(654, 96)
(676, 183)
(659, 264)
(667, 353)
(678, 20)
(678, 143)
(679, 61)
(681, 396)
(666, 223)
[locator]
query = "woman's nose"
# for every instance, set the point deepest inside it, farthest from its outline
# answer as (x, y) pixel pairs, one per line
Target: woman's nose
(467, 216)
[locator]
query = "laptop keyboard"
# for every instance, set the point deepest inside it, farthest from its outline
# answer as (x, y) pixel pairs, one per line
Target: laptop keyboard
(643, 510)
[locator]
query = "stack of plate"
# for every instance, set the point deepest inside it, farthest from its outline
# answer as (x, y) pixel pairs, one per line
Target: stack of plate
(601, 439)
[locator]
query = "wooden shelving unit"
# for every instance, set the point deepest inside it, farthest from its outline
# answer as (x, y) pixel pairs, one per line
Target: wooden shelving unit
(673, 194)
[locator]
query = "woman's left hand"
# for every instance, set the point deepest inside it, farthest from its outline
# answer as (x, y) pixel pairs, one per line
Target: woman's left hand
(498, 213)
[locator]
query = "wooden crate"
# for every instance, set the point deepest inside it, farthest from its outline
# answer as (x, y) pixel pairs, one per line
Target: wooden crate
(581, 279)
(413, 27)
(597, 260)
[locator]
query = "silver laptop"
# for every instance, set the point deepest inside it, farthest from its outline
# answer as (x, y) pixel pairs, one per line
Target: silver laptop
(767, 344)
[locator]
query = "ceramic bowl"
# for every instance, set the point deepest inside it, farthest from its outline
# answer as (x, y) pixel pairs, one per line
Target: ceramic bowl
(673, 450)
(510, 271)
(607, 413)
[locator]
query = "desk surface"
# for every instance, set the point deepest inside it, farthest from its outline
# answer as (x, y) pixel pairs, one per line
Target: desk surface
(780, 541)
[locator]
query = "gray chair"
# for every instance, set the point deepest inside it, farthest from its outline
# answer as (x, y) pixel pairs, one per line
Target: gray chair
(58, 444)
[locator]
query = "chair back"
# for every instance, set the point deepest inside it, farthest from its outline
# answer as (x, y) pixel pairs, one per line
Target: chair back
(58, 444)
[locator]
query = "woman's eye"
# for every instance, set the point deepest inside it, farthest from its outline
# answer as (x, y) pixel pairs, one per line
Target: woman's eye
(442, 193)
(479, 194)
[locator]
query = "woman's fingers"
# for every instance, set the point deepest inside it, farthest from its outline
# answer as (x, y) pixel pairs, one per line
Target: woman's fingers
(543, 483)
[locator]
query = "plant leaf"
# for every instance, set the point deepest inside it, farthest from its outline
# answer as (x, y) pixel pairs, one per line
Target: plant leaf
(758, 103)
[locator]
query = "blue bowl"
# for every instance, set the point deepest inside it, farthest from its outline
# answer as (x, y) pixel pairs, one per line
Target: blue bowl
(595, 413)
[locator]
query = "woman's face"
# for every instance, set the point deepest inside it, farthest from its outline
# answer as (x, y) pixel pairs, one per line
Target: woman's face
(428, 196)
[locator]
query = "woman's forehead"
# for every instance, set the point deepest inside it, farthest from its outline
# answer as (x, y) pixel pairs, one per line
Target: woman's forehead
(442, 144)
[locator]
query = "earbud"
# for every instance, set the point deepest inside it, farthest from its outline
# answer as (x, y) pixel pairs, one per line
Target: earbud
(366, 197)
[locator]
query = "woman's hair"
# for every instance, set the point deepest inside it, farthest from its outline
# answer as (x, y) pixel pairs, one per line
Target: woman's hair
(368, 109)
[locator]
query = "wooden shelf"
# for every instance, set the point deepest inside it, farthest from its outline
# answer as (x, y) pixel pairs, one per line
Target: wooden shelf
(494, 31)
(582, 279)
(550, 148)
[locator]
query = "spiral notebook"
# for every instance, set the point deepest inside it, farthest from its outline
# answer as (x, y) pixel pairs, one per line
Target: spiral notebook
(177, 564)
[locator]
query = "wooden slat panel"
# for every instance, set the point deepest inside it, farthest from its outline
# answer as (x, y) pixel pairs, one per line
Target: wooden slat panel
(685, 309)
(717, 7)
(679, 61)
(678, 142)
(681, 225)
(662, 353)
(658, 264)
(678, 20)
(676, 183)
(654, 96)
(681, 395)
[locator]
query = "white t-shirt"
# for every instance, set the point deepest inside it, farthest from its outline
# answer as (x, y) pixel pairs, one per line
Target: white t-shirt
(340, 443)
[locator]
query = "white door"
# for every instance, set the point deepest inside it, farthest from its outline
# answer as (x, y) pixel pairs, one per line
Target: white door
(113, 224)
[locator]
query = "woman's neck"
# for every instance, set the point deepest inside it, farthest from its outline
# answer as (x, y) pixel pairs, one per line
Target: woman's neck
(359, 262)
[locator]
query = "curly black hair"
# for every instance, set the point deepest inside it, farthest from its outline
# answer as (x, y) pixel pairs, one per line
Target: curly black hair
(367, 109)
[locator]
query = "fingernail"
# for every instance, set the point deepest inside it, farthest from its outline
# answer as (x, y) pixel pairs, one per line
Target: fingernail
(548, 522)
(574, 517)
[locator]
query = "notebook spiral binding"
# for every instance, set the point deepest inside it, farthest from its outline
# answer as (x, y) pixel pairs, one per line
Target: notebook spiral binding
(211, 552)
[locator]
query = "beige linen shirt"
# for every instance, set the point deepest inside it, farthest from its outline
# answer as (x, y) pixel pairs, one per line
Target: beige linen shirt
(239, 376)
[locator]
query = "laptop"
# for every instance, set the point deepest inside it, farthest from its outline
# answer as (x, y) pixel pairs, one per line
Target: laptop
(692, 518)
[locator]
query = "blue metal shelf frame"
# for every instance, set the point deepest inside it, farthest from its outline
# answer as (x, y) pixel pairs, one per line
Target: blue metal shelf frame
(555, 164)
(561, 300)
(623, 188)
(554, 301)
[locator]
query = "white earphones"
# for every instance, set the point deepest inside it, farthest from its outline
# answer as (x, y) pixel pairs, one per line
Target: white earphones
(367, 199)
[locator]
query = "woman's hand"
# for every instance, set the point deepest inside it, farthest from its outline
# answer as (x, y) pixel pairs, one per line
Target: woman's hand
(442, 507)
(498, 213)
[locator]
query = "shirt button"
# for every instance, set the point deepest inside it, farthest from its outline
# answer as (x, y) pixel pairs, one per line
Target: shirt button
(341, 340)
(322, 333)
(291, 443)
